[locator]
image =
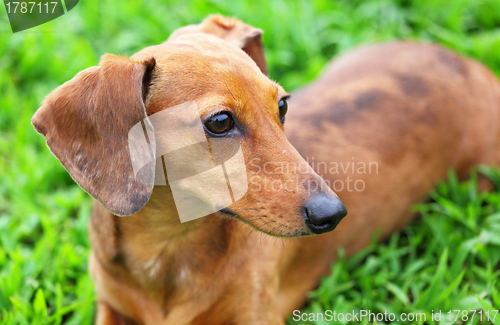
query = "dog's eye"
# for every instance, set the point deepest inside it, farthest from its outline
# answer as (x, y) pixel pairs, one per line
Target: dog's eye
(283, 106)
(219, 123)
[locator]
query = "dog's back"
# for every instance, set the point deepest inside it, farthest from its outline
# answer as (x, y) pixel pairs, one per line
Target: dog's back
(382, 125)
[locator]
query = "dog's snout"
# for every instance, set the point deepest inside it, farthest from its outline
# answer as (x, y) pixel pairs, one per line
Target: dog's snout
(323, 214)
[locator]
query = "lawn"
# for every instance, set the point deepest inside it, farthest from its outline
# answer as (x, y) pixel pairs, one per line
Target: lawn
(447, 259)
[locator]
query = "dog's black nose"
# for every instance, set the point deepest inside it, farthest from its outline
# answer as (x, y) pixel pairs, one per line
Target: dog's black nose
(323, 214)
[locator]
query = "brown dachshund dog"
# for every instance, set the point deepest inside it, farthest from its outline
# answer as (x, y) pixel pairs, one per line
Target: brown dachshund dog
(381, 126)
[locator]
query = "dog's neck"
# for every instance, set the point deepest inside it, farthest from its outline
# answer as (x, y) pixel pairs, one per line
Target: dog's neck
(173, 261)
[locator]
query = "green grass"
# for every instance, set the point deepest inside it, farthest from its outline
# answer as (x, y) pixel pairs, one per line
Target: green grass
(447, 259)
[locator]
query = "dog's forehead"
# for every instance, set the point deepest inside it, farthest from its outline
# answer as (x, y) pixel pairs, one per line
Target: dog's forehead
(198, 50)
(198, 65)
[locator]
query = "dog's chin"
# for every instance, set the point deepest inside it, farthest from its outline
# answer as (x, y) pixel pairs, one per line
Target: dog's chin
(275, 230)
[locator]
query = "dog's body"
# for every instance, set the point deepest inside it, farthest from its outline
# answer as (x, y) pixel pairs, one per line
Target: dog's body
(417, 110)
(414, 110)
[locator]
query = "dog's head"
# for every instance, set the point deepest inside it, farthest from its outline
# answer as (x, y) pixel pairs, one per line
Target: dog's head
(217, 70)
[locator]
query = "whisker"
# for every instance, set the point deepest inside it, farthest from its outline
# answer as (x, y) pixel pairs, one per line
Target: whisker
(278, 75)
(230, 92)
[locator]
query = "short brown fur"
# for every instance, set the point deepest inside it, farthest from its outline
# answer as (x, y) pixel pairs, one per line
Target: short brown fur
(417, 110)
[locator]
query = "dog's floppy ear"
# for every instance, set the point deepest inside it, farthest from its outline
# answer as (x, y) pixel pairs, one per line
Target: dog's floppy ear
(86, 122)
(246, 37)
